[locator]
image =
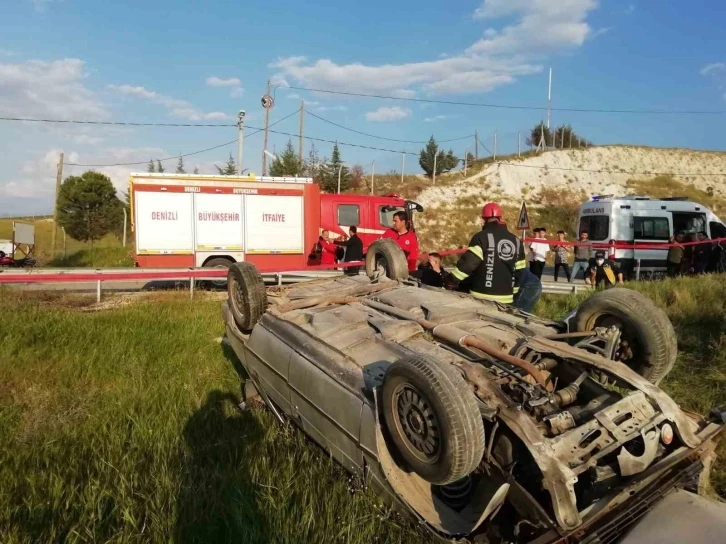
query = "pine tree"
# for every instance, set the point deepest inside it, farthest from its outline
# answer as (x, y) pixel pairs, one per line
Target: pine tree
(287, 163)
(330, 171)
(196, 171)
(229, 169)
(159, 167)
(469, 159)
(540, 132)
(151, 168)
(312, 164)
(426, 158)
(180, 166)
(451, 161)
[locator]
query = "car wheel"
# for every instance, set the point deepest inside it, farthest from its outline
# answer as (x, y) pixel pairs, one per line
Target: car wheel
(433, 419)
(218, 262)
(247, 295)
(648, 340)
(386, 257)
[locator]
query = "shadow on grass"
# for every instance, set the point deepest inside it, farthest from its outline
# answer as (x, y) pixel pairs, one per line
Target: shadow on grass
(101, 257)
(217, 499)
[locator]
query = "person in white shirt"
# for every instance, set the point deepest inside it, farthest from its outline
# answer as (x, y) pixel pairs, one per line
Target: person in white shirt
(538, 253)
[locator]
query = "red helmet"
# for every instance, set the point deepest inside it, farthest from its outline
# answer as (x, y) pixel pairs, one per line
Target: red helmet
(491, 210)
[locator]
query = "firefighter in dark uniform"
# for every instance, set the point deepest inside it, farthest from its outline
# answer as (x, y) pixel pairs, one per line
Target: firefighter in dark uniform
(494, 263)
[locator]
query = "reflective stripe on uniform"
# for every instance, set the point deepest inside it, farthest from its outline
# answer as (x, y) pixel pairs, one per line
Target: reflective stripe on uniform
(516, 290)
(476, 250)
(504, 299)
(520, 264)
(459, 275)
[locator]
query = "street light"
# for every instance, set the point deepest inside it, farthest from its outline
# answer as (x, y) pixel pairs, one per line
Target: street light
(271, 155)
(340, 171)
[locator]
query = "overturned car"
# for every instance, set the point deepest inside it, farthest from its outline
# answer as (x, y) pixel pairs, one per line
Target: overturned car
(486, 423)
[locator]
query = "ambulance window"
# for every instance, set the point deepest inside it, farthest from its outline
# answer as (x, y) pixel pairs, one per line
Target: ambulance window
(348, 215)
(596, 226)
(717, 230)
(385, 215)
(651, 228)
(688, 222)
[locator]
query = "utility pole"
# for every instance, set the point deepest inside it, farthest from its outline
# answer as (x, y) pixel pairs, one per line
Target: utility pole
(373, 174)
(434, 174)
(300, 142)
(58, 179)
(570, 138)
(340, 171)
(403, 163)
(562, 138)
(466, 160)
(519, 142)
(240, 139)
(267, 124)
(549, 99)
(125, 221)
(495, 145)
(476, 145)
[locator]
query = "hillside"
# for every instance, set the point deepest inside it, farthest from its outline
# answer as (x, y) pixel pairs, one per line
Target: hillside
(554, 184)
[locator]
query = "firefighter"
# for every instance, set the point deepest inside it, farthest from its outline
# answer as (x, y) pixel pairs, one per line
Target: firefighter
(405, 237)
(494, 262)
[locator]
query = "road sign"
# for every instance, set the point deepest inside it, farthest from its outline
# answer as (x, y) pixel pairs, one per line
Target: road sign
(267, 101)
(523, 221)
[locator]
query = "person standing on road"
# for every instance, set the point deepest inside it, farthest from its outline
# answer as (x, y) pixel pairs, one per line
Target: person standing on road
(675, 256)
(494, 261)
(538, 254)
(353, 250)
(405, 237)
(562, 255)
(582, 257)
(327, 249)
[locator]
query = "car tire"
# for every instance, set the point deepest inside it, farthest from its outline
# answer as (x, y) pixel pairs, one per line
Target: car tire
(217, 262)
(433, 419)
(644, 325)
(247, 295)
(385, 254)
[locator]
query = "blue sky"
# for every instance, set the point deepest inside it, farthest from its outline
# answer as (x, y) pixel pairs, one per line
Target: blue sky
(185, 61)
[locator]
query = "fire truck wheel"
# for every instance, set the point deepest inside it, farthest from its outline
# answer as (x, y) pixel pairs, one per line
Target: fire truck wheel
(385, 256)
(247, 295)
(219, 262)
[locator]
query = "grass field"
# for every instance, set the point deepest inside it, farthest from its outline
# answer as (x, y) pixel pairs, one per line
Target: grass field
(106, 252)
(120, 425)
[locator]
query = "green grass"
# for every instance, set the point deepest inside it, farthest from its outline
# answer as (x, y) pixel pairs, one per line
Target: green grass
(121, 426)
(697, 309)
(104, 257)
(44, 245)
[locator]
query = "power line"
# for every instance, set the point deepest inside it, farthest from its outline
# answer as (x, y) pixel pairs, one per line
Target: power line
(383, 137)
(509, 106)
(120, 123)
(399, 151)
(188, 154)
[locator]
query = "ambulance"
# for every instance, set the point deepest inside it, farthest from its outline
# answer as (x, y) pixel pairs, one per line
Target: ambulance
(634, 220)
(182, 220)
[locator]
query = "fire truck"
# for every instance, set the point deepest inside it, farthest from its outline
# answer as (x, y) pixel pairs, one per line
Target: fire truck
(182, 220)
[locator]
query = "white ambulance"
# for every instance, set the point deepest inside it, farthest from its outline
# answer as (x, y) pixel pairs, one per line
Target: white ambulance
(637, 220)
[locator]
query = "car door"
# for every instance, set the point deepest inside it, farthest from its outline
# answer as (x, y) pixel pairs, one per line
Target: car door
(651, 228)
(327, 409)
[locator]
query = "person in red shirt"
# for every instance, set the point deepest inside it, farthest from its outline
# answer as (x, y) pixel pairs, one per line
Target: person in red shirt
(405, 238)
(328, 249)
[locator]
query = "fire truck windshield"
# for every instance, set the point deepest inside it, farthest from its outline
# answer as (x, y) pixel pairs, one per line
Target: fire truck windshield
(385, 214)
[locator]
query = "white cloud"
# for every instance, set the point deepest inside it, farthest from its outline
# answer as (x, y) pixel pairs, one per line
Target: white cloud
(384, 114)
(234, 82)
(540, 28)
(331, 108)
(177, 107)
(713, 69)
(435, 118)
(630, 9)
(40, 5)
(37, 177)
(600, 32)
(88, 140)
(403, 93)
(215, 81)
(53, 89)
(293, 96)
(6, 53)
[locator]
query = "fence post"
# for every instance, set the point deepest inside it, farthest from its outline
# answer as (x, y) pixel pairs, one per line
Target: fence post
(637, 272)
(191, 287)
(98, 292)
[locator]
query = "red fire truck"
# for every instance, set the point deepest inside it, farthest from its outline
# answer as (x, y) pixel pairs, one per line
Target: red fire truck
(182, 220)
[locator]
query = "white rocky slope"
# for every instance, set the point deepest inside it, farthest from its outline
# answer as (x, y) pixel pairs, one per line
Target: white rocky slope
(596, 170)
